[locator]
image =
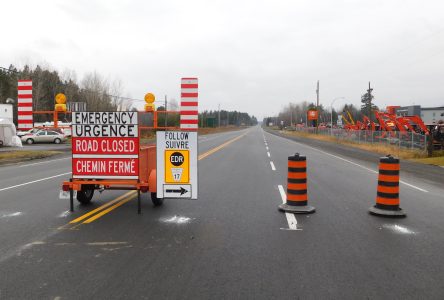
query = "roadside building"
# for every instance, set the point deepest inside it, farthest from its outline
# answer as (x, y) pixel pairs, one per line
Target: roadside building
(432, 115)
(429, 115)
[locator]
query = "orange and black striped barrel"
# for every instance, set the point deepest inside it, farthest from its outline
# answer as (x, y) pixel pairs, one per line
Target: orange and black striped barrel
(297, 180)
(388, 184)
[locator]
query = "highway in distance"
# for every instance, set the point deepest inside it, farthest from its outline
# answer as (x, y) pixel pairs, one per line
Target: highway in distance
(231, 243)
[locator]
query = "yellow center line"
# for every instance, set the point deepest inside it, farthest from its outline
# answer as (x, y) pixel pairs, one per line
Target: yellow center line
(202, 156)
(119, 201)
(104, 212)
(101, 207)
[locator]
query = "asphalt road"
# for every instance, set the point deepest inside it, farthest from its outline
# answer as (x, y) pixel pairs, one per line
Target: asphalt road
(232, 243)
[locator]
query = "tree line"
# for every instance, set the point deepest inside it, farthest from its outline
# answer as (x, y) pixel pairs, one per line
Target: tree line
(99, 93)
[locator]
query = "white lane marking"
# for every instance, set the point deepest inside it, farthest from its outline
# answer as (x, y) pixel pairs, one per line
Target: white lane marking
(15, 214)
(271, 164)
(34, 181)
(358, 165)
(291, 218)
(268, 153)
(64, 214)
(397, 228)
(43, 162)
(267, 148)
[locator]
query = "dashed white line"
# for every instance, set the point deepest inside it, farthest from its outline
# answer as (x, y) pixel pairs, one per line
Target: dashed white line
(268, 153)
(34, 181)
(271, 163)
(291, 219)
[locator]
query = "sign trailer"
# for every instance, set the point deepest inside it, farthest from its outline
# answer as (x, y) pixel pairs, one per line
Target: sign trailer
(107, 154)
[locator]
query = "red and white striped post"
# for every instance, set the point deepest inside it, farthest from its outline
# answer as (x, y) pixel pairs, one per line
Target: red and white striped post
(189, 115)
(24, 105)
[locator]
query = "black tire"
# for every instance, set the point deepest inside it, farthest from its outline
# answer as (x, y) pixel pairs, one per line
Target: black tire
(85, 195)
(29, 141)
(57, 141)
(156, 201)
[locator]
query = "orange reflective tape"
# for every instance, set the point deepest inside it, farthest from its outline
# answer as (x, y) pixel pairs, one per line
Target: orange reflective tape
(297, 164)
(388, 178)
(297, 175)
(391, 167)
(387, 201)
(291, 197)
(297, 186)
(388, 189)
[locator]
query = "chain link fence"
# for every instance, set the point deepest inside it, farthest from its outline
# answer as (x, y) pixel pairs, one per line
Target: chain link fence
(407, 140)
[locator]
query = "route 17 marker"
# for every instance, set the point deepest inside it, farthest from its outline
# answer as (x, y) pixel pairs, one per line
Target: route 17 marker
(176, 164)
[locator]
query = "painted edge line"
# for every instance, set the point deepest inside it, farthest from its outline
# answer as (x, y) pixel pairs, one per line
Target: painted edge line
(34, 181)
(353, 163)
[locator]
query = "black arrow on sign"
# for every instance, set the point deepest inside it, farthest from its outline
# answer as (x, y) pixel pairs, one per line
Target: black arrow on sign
(181, 191)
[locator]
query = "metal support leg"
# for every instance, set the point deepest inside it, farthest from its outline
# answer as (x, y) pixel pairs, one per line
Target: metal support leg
(139, 209)
(71, 199)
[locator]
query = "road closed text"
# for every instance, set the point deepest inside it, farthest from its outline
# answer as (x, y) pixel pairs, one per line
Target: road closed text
(105, 166)
(105, 146)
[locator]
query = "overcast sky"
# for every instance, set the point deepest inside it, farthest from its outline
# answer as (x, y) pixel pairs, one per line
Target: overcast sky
(253, 56)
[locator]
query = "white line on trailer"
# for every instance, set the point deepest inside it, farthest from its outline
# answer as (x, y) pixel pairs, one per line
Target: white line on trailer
(291, 219)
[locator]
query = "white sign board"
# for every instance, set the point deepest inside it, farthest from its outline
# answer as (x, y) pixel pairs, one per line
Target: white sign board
(105, 145)
(339, 122)
(177, 164)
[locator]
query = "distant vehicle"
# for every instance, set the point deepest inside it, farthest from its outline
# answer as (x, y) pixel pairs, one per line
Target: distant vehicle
(43, 136)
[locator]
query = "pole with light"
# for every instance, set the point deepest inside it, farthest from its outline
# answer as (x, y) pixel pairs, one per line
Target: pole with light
(331, 113)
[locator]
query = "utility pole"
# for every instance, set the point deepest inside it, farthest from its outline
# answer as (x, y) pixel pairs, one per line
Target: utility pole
(166, 114)
(219, 115)
(369, 95)
(291, 116)
(317, 106)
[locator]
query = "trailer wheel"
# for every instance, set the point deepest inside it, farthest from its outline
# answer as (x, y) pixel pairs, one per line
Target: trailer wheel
(85, 195)
(156, 201)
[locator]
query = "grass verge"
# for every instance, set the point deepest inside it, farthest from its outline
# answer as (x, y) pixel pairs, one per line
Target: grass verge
(437, 161)
(18, 156)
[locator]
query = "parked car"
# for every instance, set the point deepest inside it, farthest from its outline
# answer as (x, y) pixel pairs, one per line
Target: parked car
(43, 136)
(30, 131)
(37, 129)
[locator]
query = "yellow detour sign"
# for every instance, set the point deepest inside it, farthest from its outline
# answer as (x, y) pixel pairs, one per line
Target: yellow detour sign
(177, 166)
